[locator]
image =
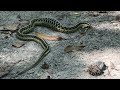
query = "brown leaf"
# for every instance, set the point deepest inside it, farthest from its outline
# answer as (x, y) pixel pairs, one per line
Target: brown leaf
(71, 48)
(68, 49)
(45, 66)
(18, 44)
(44, 36)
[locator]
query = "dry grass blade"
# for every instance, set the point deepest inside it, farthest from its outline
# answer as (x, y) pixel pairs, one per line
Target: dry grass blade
(71, 48)
(44, 36)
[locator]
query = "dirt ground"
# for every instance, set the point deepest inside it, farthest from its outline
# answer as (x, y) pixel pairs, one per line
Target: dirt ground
(101, 44)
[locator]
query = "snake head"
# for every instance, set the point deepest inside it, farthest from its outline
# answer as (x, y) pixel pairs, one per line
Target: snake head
(85, 26)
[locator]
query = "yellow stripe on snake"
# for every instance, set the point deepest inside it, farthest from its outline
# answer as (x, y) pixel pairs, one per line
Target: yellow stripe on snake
(23, 34)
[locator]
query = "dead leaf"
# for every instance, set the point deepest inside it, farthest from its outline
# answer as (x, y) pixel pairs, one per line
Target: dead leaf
(82, 33)
(68, 49)
(9, 28)
(71, 48)
(18, 44)
(45, 66)
(112, 66)
(44, 36)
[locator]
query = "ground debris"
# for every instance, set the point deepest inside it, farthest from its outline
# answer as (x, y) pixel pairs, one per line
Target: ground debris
(45, 66)
(72, 48)
(18, 44)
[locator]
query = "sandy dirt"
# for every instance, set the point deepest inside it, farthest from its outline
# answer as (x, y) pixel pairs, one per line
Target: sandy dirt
(101, 44)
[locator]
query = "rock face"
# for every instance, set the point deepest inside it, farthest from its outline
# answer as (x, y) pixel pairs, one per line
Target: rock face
(97, 68)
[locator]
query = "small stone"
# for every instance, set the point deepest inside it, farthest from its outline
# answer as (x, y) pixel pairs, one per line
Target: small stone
(48, 77)
(6, 37)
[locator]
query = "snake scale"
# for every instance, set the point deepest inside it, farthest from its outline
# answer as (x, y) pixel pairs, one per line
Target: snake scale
(23, 34)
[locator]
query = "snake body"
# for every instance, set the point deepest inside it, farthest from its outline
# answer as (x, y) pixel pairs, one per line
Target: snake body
(23, 34)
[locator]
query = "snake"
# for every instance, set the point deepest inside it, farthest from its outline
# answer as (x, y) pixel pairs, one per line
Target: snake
(23, 34)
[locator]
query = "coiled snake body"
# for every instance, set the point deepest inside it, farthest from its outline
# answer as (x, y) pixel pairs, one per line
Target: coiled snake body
(23, 34)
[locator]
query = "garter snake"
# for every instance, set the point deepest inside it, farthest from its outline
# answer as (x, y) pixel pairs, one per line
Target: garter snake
(23, 34)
